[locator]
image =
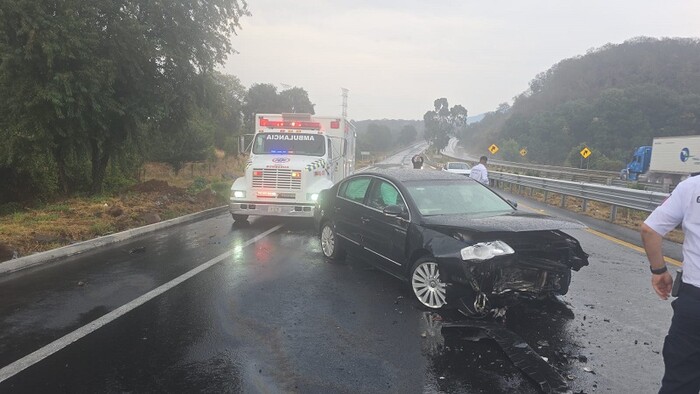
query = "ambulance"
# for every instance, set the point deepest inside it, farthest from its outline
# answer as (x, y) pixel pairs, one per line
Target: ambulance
(292, 158)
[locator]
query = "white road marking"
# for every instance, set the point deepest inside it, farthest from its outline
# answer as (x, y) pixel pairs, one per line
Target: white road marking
(55, 346)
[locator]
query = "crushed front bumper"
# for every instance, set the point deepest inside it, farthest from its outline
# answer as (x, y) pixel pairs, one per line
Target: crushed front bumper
(503, 281)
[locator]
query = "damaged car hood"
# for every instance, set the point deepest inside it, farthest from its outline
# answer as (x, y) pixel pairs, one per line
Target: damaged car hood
(515, 221)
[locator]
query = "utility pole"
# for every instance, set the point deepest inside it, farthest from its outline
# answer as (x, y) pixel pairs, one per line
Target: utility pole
(345, 102)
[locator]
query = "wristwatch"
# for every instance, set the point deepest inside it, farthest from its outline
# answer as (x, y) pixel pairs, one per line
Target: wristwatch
(658, 271)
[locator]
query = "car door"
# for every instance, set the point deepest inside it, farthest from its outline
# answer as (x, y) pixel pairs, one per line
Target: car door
(349, 208)
(385, 236)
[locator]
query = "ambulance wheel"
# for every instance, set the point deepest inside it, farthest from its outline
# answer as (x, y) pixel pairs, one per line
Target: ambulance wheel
(239, 218)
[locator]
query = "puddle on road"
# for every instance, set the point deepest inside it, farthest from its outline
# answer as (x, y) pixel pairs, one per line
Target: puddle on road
(528, 352)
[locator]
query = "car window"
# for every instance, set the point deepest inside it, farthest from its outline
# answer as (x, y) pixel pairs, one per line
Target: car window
(455, 198)
(354, 189)
(384, 194)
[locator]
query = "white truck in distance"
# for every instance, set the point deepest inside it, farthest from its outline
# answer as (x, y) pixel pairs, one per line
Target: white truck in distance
(293, 158)
(674, 159)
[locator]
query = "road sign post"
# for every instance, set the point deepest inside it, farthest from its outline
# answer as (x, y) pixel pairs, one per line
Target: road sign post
(585, 153)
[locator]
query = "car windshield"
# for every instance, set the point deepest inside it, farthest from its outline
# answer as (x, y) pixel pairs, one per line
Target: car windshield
(289, 144)
(455, 198)
(457, 166)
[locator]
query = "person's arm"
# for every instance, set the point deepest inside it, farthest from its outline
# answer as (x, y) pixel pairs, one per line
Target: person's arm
(662, 283)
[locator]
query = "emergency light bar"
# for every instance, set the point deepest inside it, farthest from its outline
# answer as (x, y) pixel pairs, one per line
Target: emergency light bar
(290, 124)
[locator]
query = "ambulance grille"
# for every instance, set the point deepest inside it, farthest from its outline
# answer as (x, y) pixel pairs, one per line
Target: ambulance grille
(275, 178)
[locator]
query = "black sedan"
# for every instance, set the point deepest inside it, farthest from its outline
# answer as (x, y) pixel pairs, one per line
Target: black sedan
(457, 242)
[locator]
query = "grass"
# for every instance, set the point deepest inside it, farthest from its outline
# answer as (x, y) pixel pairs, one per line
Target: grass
(198, 186)
(57, 208)
(102, 228)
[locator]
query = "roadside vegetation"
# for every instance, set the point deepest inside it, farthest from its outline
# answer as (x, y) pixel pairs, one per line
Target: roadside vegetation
(160, 194)
(611, 99)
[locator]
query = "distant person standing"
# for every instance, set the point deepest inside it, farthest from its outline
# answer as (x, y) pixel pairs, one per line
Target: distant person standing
(417, 161)
(479, 172)
(682, 345)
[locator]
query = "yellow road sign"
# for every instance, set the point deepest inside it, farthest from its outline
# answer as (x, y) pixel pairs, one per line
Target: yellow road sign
(523, 152)
(585, 152)
(493, 149)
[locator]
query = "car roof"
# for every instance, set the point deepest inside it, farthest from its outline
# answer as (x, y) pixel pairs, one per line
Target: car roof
(405, 174)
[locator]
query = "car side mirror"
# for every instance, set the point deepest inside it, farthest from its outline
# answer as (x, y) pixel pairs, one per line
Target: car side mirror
(512, 203)
(394, 211)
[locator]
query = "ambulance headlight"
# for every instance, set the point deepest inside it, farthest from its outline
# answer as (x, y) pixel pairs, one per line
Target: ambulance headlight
(239, 194)
(312, 196)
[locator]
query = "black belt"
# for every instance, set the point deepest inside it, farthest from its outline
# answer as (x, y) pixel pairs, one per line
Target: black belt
(689, 290)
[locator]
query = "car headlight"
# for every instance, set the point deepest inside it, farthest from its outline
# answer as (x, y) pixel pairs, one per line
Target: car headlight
(486, 250)
(312, 196)
(239, 194)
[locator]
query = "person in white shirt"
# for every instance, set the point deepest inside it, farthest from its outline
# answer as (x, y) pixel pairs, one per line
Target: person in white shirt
(681, 350)
(479, 172)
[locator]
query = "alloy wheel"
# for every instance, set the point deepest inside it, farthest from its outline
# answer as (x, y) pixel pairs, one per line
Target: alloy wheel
(427, 286)
(327, 241)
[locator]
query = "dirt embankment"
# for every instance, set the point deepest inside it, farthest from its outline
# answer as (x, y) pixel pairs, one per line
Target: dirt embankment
(165, 195)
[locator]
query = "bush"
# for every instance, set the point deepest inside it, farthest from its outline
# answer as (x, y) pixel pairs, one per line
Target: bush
(10, 208)
(197, 185)
(222, 189)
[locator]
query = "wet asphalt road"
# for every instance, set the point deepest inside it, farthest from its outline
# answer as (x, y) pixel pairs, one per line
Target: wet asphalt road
(275, 317)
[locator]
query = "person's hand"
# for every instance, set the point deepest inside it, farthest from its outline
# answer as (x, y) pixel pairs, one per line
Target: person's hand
(662, 284)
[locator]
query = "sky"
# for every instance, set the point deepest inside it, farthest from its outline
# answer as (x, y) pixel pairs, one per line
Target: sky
(397, 56)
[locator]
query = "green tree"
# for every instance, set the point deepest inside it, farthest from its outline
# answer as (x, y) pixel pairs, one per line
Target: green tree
(296, 100)
(86, 77)
(262, 98)
(230, 120)
(444, 122)
(407, 135)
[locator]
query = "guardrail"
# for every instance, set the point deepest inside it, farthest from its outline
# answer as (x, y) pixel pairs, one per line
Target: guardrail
(566, 173)
(641, 200)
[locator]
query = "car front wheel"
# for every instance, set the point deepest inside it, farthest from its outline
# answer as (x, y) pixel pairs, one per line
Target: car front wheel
(330, 244)
(426, 284)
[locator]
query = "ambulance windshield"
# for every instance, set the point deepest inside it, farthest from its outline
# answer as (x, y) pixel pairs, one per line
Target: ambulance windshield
(289, 144)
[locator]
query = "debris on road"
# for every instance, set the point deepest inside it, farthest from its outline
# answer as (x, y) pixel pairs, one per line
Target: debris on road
(141, 249)
(520, 353)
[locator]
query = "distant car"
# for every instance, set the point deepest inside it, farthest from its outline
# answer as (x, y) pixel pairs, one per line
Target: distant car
(457, 167)
(455, 241)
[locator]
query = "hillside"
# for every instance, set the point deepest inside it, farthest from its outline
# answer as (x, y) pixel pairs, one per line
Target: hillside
(610, 99)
